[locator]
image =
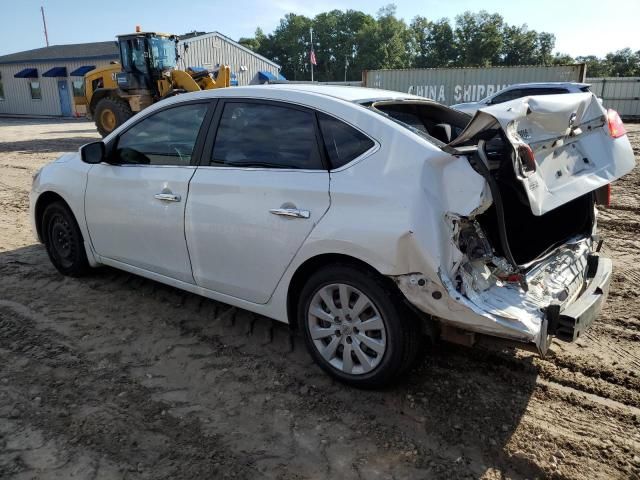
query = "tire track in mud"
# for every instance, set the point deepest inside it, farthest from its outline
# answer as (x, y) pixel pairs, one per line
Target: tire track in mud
(112, 416)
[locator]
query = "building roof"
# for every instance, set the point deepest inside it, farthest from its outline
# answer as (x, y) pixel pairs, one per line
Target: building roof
(56, 53)
(190, 37)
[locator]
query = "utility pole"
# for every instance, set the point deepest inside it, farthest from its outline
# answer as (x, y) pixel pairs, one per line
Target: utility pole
(44, 22)
(311, 35)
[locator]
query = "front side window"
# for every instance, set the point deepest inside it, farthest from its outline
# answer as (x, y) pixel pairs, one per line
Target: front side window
(266, 135)
(343, 143)
(164, 138)
(163, 53)
(36, 92)
(78, 88)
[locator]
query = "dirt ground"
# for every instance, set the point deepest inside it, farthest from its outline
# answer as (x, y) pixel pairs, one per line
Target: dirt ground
(113, 376)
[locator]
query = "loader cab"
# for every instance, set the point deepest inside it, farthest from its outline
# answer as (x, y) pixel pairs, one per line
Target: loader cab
(145, 57)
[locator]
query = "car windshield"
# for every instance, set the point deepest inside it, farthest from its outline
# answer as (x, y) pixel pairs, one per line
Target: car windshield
(163, 53)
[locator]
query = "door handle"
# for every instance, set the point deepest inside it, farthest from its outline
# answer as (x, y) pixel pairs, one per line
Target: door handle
(167, 197)
(291, 212)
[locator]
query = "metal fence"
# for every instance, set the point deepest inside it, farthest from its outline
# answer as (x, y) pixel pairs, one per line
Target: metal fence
(457, 85)
(620, 93)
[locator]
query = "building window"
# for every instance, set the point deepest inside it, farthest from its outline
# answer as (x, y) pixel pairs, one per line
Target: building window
(78, 88)
(36, 93)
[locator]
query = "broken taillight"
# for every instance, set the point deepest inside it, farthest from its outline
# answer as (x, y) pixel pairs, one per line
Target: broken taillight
(616, 127)
(526, 157)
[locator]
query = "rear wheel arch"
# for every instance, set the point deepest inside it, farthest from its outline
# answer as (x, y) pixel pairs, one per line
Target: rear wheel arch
(318, 262)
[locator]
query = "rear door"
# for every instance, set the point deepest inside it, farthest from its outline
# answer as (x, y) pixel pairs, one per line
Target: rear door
(261, 188)
(568, 136)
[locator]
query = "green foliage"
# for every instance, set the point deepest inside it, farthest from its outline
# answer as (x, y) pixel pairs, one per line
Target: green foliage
(347, 42)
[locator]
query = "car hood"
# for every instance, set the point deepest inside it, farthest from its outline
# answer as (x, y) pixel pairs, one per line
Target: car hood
(569, 138)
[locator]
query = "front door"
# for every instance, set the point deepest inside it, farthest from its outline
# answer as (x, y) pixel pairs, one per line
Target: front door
(65, 98)
(135, 204)
(256, 197)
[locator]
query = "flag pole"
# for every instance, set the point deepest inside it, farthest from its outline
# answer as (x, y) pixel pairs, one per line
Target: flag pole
(311, 34)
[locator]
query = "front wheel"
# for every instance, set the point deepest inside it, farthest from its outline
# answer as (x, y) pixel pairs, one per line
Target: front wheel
(355, 326)
(63, 240)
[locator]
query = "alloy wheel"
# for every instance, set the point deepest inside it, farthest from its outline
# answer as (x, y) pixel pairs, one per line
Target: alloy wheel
(347, 329)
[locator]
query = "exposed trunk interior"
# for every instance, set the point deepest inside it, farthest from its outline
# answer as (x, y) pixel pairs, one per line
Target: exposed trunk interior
(529, 236)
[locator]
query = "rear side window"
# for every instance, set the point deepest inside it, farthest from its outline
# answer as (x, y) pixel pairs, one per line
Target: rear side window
(543, 91)
(266, 135)
(343, 143)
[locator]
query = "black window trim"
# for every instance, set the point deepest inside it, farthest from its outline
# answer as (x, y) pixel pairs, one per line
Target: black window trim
(211, 103)
(215, 125)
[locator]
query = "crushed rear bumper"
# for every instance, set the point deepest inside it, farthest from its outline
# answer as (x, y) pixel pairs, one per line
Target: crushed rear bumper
(569, 323)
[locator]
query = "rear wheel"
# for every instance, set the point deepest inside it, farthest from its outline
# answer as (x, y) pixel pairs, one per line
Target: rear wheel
(110, 113)
(63, 240)
(356, 328)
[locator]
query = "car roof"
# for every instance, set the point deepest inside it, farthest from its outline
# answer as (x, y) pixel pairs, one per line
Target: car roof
(350, 94)
(547, 85)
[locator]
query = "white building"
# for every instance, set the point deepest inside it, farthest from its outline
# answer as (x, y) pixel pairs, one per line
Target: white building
(210, 50)
(42, 81)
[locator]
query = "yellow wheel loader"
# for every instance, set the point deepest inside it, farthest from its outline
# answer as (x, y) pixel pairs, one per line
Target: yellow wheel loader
(146, 74)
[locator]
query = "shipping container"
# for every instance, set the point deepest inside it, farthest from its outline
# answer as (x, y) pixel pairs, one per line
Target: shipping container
(620, 93)
(457, 85)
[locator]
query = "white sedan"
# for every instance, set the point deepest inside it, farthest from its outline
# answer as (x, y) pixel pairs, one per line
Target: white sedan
(365, 218)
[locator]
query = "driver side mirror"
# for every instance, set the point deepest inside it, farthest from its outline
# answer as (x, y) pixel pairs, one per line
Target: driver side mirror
(93, 153)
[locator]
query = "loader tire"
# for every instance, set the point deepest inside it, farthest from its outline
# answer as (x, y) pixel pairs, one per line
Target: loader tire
(110, 113)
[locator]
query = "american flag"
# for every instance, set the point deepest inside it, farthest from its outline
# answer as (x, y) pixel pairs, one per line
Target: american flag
(312, 57)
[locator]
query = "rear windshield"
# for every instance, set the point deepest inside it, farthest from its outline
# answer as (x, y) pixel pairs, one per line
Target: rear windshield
(437, 123)
(585, 89)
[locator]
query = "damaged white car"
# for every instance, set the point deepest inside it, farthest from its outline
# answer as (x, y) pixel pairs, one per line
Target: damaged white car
(365, 218)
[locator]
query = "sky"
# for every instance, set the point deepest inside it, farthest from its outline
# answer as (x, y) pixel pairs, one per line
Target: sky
(581, 27)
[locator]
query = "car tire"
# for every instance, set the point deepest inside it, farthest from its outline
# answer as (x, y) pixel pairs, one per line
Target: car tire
(379, 332)
(63, 240)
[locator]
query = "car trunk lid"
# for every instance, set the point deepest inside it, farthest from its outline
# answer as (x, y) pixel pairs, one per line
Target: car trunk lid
(562, 147)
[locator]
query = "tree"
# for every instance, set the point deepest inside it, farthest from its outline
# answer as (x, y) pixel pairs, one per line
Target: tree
(383, 43)
(520, 46)
(546, 43)
(358, 41)
(479, 38)
(431, 44)
(562, 59)
(442, 45)
(596, 67)
(255, 42)
(623, 63)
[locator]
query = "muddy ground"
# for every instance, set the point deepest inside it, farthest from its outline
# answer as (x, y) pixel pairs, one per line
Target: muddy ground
(115, 376)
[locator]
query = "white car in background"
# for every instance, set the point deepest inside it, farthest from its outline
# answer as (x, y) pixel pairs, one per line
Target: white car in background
(520, 90)
(365, 218)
